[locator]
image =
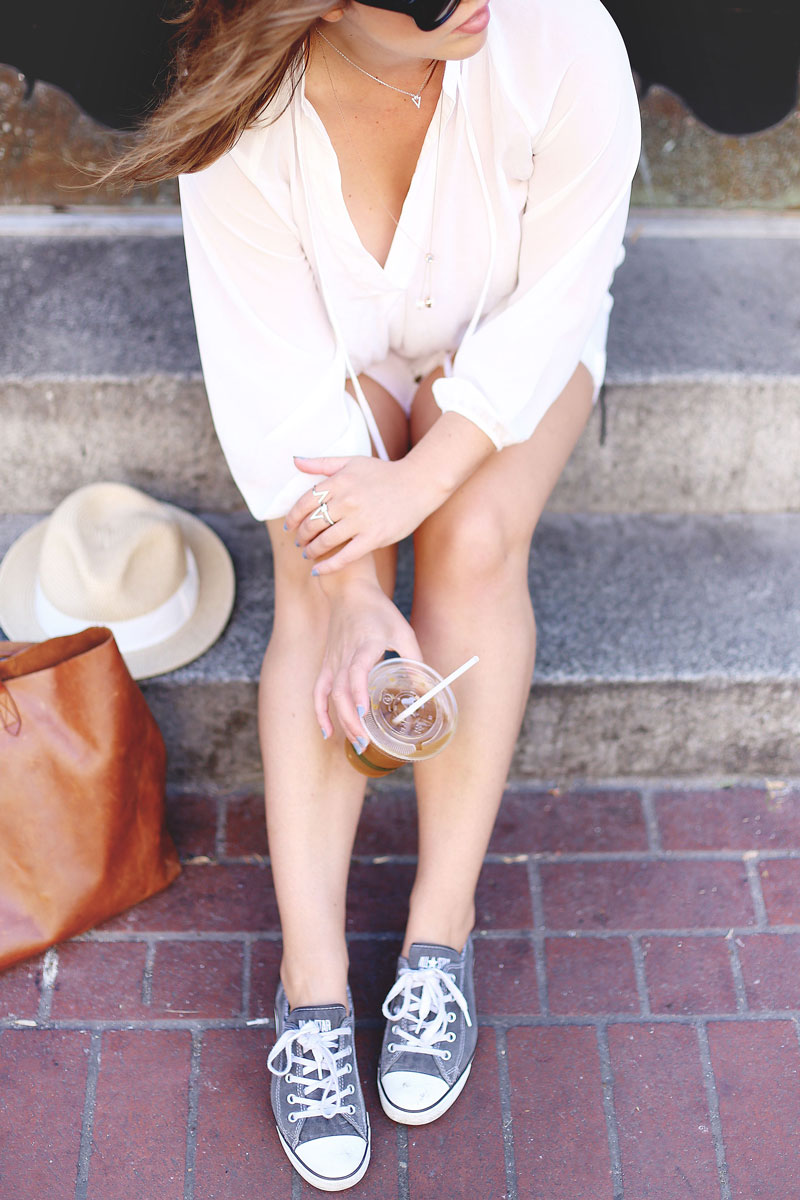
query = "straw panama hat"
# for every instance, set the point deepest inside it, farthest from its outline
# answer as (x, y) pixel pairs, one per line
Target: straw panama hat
(158, 577)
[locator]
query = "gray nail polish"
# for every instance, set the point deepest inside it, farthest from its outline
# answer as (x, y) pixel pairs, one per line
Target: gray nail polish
(360, 746)
(324, 733)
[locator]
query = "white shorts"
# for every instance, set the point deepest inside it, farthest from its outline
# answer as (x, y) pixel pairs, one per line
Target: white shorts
(401, 376)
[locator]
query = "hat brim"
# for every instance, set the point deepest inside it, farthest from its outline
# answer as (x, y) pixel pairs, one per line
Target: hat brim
(19, 568)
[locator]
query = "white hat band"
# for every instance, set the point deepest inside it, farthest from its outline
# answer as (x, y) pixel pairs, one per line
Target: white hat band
(134, 633)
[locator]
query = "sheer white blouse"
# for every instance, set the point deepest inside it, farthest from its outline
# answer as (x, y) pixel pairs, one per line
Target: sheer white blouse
(521, 192)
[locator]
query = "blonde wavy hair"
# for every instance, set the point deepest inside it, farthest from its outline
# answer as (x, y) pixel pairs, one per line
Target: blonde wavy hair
(230, 58)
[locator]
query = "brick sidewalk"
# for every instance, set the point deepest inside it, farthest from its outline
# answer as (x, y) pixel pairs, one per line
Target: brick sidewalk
(638, 984)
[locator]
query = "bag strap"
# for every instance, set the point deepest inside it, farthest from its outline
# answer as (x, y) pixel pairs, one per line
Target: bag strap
(18, 659)
(10, 720)
(9, 649)
(25, 658)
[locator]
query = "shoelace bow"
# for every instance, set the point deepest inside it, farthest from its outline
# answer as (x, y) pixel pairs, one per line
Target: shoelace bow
(425, 995)
(318, 1055)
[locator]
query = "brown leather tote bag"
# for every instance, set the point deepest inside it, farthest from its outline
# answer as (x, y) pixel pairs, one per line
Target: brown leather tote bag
(82, 769)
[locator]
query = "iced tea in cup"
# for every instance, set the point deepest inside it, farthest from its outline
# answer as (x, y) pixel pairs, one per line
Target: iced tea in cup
(394, 684)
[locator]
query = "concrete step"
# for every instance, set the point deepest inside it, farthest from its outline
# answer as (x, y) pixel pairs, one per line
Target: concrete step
(99, 372)
(668, 646)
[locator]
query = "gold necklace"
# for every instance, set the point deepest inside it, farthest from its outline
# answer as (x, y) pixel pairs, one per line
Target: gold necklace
(425, 300)
(415, 96)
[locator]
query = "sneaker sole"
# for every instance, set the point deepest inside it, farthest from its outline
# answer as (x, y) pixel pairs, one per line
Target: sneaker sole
(404, 1117)
(319, 1181)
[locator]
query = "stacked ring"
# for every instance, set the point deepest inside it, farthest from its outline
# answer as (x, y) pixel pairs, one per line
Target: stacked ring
(321, 513)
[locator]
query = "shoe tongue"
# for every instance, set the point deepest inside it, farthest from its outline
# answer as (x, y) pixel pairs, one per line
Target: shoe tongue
(325, 1016)
(424, 955)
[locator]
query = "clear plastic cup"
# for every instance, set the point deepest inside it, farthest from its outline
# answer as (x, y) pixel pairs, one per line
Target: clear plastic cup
(394, 684)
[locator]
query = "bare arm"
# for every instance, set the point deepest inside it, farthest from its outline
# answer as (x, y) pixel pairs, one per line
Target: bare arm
(375, 503)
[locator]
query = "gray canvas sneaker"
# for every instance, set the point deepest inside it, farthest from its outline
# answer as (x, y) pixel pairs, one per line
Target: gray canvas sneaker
(431, 1033)
(316, 1094)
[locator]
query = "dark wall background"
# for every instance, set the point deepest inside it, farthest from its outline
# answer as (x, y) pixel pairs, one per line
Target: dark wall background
(110, 55)
(734, 62)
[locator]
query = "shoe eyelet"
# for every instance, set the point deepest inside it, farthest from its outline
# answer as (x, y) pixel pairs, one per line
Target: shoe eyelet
(451, 1016)
(391, 1047)
(349, 1090)
(351, 1108)
(348, 1070)
(292, 1117)
(450, 1037)
(395, 1029)
(446, 1055)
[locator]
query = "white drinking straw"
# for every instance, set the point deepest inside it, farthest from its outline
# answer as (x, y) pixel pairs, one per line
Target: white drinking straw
(412, 708)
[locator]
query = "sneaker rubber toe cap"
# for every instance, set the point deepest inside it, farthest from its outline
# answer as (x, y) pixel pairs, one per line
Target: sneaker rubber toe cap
(333, 1157)
(413, 1091)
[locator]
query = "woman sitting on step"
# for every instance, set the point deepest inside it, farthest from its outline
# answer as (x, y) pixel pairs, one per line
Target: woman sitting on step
(402, 218)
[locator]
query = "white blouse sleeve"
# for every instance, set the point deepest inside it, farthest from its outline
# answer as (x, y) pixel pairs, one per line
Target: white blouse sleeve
(522, 354)
(273, 372)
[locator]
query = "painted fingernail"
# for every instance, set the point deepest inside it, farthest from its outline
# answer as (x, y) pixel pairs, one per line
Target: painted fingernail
(285, 527)
(297, 544)
(315, 571)
(324, 733)
(360, 709)
(304, 554)
(360, 746)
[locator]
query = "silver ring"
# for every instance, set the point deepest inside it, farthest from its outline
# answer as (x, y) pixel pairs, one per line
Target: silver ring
(321, 513)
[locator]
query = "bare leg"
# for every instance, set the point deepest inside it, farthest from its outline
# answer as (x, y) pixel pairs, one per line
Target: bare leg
(313, 796)
(471, 597)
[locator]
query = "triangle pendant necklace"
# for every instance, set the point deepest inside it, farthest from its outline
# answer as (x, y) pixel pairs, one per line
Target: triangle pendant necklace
(416, 97)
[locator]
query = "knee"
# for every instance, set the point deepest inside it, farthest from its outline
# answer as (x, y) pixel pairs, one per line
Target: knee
(474, 551)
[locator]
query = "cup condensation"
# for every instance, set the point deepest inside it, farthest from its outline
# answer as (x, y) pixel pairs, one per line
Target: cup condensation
(394, 684)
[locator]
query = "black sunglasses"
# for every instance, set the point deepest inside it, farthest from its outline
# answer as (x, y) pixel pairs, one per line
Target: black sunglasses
(428, 14)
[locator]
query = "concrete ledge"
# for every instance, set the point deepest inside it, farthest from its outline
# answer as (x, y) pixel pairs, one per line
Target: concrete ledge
(715, 728)
(677, 445)
(672, 445)
(154, 432)
(687, 305)
(593, 731)
(99, 373)
(700, 307)
(667, 646)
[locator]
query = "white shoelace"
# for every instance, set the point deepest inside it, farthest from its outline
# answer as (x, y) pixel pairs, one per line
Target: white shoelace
(425, 995)
(318, 1055)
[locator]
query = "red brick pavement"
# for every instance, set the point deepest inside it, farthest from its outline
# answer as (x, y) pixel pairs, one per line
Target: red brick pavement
(638, 976)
